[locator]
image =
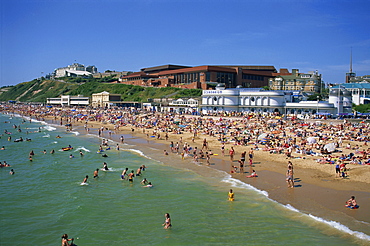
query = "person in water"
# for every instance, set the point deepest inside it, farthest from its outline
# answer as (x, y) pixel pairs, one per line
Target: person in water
(105, 166)
(96, 173)
(149, 185)
(85, 179)
(144, 182)
(65, 240)
(351, 203)
(167, 222)
(231, 195)
(131, 176)
(12, 172)
(124, 172)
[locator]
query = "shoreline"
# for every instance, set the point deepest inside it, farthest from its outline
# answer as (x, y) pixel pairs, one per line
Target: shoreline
(316, 192)
(310, 199)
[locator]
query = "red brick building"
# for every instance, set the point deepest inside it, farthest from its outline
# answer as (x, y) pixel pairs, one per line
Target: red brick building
(201, 77)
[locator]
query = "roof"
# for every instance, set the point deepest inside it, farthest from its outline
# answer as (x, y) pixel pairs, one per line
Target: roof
(353, 86)
(198, 69)
(77, 72)
(256, 68)
(162, 68)
(140, 74)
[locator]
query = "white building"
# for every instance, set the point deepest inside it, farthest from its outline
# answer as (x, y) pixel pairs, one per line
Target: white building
(360, 92)
(182, 105)
(105, 99)
(75, 70)
(275, 102)
(69, 100)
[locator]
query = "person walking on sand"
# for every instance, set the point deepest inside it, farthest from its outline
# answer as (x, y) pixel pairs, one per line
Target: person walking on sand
(167, 222)
(289, 177)
(205, 144)
(230, 195)
(208, 158)
(232, 153)
(241, 166)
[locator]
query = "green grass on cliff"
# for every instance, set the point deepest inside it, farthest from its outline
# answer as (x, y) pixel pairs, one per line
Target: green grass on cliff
(38, 90)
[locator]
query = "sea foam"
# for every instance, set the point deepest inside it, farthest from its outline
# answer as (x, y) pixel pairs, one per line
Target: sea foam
(82, 148)
(341, 227)
(239, 184)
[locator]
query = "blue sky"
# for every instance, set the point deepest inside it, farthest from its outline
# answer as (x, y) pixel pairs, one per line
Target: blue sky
(38, 36)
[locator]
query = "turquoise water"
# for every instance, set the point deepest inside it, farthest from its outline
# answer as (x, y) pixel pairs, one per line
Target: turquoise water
(45, 199)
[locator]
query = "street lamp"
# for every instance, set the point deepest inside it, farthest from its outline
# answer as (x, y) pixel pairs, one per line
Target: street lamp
(317, 109)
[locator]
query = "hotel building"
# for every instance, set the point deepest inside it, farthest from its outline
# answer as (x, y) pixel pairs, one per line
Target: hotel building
(201, 77)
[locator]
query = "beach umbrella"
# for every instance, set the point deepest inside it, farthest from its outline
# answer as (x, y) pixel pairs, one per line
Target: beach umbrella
(311, 140)
(330, 147)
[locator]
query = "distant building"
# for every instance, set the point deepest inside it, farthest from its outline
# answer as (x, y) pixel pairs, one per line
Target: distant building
(308, 82)
(360, 92)
(75, 70)
(182, 105)
(68, 100)
(105, 99)
(256, 100)
(201, 77)
(360, 79)
(113, 74)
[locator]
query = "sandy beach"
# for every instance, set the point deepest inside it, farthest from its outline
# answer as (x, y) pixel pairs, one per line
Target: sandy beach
(317, 189)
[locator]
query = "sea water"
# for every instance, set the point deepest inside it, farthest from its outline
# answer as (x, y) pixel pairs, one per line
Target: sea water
(45, 199)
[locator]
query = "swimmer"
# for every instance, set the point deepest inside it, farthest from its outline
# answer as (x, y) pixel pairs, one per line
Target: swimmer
(3, 148)
(71, 156)
(144, 181)
(131, 176)
(124, 172)
(105, 166)
(138, 171)
(231, 195)
(149, 185)
(65, 240)
(167, 222)
(12, 172)
(52, 151)
(81, 154)
(85, 179)
(96, 173)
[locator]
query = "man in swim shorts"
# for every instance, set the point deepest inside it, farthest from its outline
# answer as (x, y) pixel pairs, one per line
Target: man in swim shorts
(124, 172)
(131, 176)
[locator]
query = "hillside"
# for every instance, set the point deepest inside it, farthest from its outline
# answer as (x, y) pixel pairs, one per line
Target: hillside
(38, 90)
